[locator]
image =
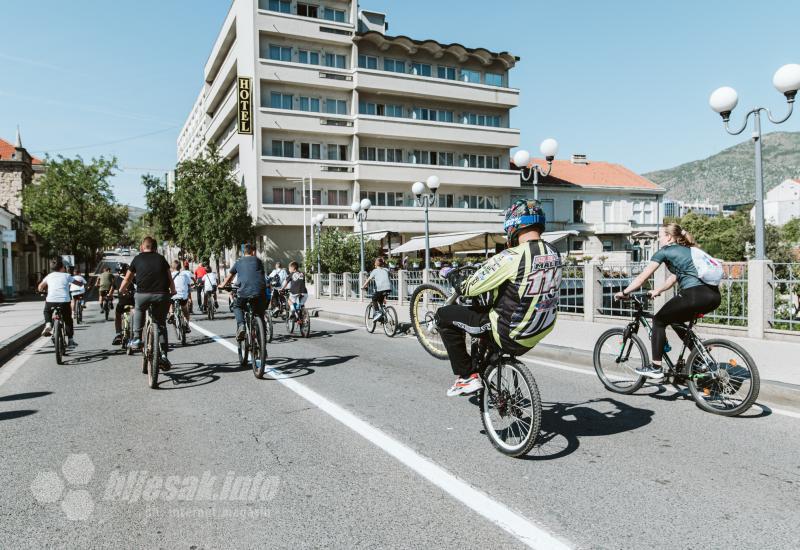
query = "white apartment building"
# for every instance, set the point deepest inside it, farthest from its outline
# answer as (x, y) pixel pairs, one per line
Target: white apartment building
(678, 209)
(782, 203)
(338, 101)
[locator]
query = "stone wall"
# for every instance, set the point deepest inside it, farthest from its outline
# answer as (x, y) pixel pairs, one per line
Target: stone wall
(13, 176)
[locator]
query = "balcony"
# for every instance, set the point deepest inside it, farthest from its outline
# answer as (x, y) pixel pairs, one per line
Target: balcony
(304, 28)
(310, 75)
(449, 175)
(409, 85)
(222, 116)
(410, 219)
(289, 167)
(292, 215)
(441, 132)
(305, 122)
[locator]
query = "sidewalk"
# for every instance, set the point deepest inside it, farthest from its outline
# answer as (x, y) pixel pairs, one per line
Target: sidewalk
(776, 361)
(20, 324)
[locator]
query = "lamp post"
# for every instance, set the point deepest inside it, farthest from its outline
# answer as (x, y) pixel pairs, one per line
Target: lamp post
(319, 219)
(426, 200)
(360, 210)
(724, 101)
(549, 148)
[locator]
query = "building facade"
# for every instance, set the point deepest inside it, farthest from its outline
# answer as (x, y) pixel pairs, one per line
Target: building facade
(678, 209)
(782, 203)
(340, 106)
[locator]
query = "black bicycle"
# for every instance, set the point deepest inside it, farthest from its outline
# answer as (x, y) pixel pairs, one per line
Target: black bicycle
(106, 304)
(79, 303)
(254, 346)
(721, 376)
(299, 317)
(179, 321)
(151, 352)
(387, 316)
(59, 334)
(210, 304)
(279, 304)
(510, 405)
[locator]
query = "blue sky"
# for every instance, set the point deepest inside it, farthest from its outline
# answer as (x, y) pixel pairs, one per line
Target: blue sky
(619, 80)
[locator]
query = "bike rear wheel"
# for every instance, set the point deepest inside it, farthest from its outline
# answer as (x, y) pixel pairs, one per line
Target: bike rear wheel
(258, 350)
(390, 321)
(369, 321)
(616, 358)
(270, 327)
(304, 322)
(425, 300)
(728, 384)
(511, 410)
(243, 349)
(58, 341)
(151, 347)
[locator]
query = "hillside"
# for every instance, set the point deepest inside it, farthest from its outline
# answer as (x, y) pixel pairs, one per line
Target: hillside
(728, 177)
(134, 213)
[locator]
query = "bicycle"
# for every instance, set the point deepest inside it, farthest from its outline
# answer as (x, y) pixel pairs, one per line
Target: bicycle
(714, 380)
(59, 337)
(127, 329)
(78, 302)
(210, 305)
(253, 346)
(180, 321)
(299, 316)
(387, 317)
(105, 305)
(509, 403)
(151, 352)
(278, 301)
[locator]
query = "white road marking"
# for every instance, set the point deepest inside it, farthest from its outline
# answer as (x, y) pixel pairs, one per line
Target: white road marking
(8, 370)
(496, 512)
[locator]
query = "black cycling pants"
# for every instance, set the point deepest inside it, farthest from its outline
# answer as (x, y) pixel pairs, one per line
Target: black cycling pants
(379, 297)
(455, 322)
(687, 304)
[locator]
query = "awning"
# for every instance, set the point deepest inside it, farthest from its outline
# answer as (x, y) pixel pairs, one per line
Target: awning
(467, 241)
(375, 235)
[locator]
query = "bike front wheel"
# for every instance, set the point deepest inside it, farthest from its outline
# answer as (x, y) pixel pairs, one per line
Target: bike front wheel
(58, 342)
(425, 301)
(270, 327)
(305, 323)
(258, 348)
(390, 321)
(511, 408)
(724, 379)
(151, 352)
(616, 359)
(369, 319)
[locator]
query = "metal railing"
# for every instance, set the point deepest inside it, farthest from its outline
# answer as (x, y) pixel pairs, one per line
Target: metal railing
(337, 280)
(571, 292)
(732, 310)
(615, 278)
(413, 280)
(785, 297)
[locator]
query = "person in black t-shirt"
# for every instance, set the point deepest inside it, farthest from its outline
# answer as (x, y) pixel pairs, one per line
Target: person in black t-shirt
(154, 285)
(249, 271)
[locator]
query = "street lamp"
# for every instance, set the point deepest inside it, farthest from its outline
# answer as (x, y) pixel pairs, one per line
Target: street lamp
(426, 200)
(724, 101)
(360, 210)
(319, 219)
(549, 148)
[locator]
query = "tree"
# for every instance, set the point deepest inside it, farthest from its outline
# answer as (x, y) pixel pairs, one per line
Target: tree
(73, 208)
(340, 252)
(790, 232)
(723, 237)
(210, 206)
(160, 214)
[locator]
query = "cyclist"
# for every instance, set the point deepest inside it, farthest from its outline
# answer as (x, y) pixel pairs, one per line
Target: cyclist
(104, 283)
(296, 283)
(123, 300)
(278, 277)
(382, 285)
(57, 286)
(154, 285)
(77, 288)
(252, 286)
(210, 281)
(199, 272)
(695, 296)
(183, 281)
(524, 281)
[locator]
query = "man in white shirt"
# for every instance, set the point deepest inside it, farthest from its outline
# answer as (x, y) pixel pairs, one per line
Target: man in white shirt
(77, 288)
(210, 282)
(183, 280)
(57, 286)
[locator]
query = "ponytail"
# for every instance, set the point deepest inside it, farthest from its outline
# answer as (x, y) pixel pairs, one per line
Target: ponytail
(681, 236)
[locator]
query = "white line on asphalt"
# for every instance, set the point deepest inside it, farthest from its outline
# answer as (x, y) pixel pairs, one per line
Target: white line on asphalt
(496, 512)
(13, 366)
(784, 412)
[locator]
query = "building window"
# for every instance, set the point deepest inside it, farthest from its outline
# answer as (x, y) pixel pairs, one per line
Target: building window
(493, 79)
(282, 195)
(577, 246)
(337, 197)
(333, 15)
(383, 198)
(482, 120)
(335, 60)
(282, 6)
(317, 196)
(367, 62)
(608, 246)
(282, 148)
(608, 211)
(448, 73)
(337, 152)
(468, 75)
(336, 106)
(310, 104)
(309, 57)
(421, 69)
(436, 115)
(280, 53)
(278, 100)
(479, 202)
(394, 65)
(365, 108)
(577, 211)
(445, 201)
(307, 10)
(482, 161)
(380, 154)
(310, 151)
(394, 111)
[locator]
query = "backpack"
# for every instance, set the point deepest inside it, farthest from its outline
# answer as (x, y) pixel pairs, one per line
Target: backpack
(709, 269)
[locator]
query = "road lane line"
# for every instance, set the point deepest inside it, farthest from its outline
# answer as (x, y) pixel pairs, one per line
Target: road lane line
(513, 523)
(8, 370)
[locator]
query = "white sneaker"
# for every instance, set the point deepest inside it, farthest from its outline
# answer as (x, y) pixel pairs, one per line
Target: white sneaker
(71, 343)
(465, 386)
(48, 330)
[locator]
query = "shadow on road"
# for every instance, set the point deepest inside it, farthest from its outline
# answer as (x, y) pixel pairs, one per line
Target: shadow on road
(295, 336)
(28, 395)
(11, 415)
(295, 368)
(192, 375)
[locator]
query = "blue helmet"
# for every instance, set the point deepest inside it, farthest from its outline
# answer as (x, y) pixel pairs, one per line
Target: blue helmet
(523, 213)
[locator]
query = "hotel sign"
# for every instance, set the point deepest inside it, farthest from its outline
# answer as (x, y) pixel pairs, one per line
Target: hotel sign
(245, 108)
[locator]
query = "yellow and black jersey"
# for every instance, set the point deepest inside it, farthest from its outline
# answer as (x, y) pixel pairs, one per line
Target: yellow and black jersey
(525, 282)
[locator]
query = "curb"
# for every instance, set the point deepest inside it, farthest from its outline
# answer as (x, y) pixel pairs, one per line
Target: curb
(772, 391)
(11, 346)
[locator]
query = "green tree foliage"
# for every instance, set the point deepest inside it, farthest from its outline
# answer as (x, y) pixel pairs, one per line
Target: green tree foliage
(160, 213)
(210, 206)
(790, 232)
(340, 252)
(73, 208)
(722, 237)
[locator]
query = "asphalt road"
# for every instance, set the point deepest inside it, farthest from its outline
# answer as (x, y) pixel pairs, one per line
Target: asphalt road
(353, 444)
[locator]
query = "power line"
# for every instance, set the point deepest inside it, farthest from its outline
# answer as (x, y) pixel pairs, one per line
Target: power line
(112, 142)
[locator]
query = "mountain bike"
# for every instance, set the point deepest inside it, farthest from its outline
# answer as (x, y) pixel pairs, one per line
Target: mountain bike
(210, 305)
(151, 352)
(127, 329)
(387, 316)
(253, 347)
(78, 301)
(179, 321)
(299, 317)
(59, 337)
(509, 403)
(721, 376)
(106, 304)
(279, 305)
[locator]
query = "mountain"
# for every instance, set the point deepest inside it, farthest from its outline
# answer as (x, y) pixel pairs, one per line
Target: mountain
(134, 213)
(729, 176)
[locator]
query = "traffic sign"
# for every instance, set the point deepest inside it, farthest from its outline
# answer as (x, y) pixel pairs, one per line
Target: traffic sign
(9, 235)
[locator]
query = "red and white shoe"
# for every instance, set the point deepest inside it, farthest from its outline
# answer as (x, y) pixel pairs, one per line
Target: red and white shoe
(465, 386)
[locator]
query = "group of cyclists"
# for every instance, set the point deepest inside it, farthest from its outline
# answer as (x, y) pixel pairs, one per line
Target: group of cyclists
(523, 281)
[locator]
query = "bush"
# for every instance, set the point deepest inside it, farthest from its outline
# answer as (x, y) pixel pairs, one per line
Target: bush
(340, 252)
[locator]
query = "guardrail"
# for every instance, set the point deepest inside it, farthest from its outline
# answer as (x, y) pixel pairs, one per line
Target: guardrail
(785, 297)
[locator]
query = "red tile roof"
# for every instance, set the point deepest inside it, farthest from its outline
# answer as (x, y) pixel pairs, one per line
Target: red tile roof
(7, 149)
(594, 174)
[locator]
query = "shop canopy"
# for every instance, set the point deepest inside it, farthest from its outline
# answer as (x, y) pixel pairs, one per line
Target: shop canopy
(468, 241)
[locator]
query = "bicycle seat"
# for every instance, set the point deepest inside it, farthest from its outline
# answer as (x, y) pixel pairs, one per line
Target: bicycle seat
(127, 308)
